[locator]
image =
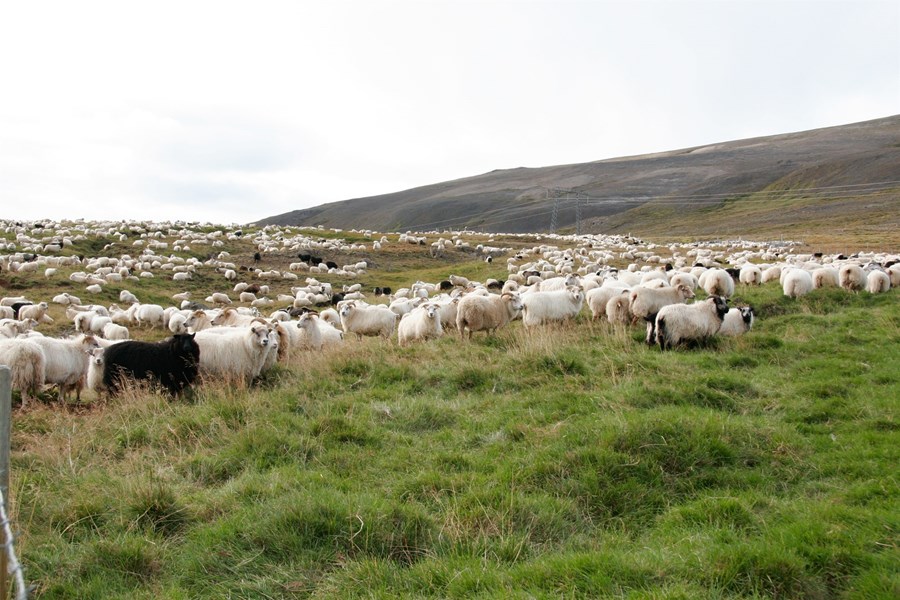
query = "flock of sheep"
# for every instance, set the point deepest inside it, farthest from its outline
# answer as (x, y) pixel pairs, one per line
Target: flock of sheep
(226, 336)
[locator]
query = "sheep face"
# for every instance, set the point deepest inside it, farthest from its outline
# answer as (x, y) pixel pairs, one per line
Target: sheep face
(748, 315)
(721, 306)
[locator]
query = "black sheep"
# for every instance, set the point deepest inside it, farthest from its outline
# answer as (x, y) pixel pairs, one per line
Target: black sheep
(173, 363)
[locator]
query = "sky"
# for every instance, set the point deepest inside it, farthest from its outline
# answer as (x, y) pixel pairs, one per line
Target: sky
(230, 112)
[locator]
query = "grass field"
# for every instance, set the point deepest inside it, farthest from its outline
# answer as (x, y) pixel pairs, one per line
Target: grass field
(568, 462)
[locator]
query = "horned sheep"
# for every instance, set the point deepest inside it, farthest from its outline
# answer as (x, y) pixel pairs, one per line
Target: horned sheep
(367, 320)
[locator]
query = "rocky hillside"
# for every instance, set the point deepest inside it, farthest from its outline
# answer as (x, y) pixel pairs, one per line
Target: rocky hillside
(796, 182)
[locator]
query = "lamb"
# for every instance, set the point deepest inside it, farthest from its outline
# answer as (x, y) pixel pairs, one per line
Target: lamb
(96, 364)
(738, 321)
(852, 278)
(65, 299)
(878, 282)
(678, 323)
(646, 302)
(486, 313)
(233, 353)
(27, 366)
(172, 363)
(717, 282)
(66, 362)
(558, 305)
(422, 323)
(825, 277)
(371, 320)
(796, 283)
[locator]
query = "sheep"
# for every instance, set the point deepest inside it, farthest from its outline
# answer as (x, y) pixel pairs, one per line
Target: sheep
(738, 321)
(111, 331)
(684, 279)
(718, 282)
(154, 314)
(219, 298)
(750, 275)
(618, 309)
(894, 274)
(126, 297)
(233, 353)
(486, 313)
(825, 277)
(38, 312)
(308, 323)
(173, 363)
(402, 306)
(96, 364)
(198, 321)
(66, 362)
(66, 299)
(558, 305)
(177, 322)
(27, 366)
(598, 298)
(230, 317)
(371, 320)
(796, 282)
(646, 302)
(678, 323)
(771, 274)
(421, 323)
(877, 282)
(852, 278)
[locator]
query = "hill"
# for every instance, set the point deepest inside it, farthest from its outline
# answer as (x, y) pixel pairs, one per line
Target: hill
(795, 183)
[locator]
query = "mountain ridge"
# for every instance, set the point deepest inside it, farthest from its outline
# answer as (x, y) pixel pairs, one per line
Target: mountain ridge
(624, 192)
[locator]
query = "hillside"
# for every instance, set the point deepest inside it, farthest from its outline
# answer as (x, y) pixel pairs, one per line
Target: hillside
(791, 183)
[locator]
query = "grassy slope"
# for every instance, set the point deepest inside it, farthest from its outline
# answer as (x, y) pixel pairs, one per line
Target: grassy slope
(569, 462)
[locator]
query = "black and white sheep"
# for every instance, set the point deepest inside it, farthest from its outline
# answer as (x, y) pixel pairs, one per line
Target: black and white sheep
(679, 323)
(738, 321)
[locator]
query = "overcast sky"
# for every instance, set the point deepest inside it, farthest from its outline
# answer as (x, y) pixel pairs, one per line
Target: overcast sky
(230, 112)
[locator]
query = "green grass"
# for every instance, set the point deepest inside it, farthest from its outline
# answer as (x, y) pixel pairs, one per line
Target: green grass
(564, 462)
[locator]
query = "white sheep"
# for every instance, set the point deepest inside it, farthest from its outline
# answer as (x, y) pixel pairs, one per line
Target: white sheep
(367, 320)
(66, 299)
(825, 277)
(401, 306)
(111, 331)
(750, 275)
(557, 305)
(717, 282)
(27, 366)
(152, 314)
(852, 278)
(66, 362)
(231, 317)
(421, 323)
(177, 322)
(646, 302)
(598, 298)
(198, 321)
(618, 309)
(38, 312)
(796, 282)
(678, 323)
(877, 282)
(94, 381)
(737, 321)
(771, 274)
(308, 324)
(235, 354)
(126, 297)
(486, 313)
(687, 279)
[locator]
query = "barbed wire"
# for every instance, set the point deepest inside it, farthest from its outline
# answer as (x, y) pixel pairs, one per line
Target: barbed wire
(14, 567)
